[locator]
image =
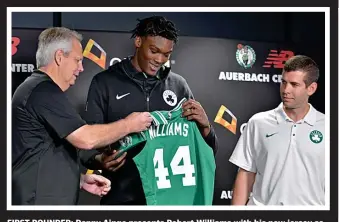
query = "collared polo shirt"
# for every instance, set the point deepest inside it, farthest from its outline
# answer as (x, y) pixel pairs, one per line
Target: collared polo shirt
(288, 158)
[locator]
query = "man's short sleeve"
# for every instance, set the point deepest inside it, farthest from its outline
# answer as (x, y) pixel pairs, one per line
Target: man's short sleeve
(244, 154)
(50, 106)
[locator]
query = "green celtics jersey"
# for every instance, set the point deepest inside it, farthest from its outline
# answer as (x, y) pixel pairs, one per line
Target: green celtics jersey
(176, 165)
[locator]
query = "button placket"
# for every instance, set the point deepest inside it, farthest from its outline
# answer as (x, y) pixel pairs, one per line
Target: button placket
(294, 133)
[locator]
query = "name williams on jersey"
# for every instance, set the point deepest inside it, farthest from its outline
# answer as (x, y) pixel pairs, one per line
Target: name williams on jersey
(170, 129)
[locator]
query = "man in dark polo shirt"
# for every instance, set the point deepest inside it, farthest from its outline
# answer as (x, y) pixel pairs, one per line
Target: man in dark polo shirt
(46, 128)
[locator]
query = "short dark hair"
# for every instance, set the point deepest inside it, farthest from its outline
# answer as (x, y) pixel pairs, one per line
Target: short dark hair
(304, 64)
(156, 26)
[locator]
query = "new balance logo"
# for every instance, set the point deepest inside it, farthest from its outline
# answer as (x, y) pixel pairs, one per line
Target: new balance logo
(122, 96)
(277, 60)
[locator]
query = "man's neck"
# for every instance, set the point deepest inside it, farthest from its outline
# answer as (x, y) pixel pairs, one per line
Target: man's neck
(297, 113)
(52, 73)
(135, 64)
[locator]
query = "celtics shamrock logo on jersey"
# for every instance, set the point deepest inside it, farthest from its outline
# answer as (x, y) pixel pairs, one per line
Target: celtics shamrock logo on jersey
(126, 141)
(316, 136)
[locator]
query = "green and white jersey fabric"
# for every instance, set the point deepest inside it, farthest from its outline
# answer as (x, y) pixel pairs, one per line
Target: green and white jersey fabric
(176, 165)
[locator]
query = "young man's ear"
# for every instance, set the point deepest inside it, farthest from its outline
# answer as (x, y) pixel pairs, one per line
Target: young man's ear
(137, 41)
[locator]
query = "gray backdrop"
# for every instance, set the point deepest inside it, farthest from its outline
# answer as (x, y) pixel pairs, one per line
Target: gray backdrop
(200, 61)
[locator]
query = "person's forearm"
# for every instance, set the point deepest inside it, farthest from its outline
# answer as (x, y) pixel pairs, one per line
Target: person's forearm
(205, 131)
(99, 135)
(242, 187)
(106, 134)
(211, 139)
(240, 195)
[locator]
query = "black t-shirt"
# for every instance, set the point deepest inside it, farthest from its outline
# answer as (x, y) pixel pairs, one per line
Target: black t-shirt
(45, 169)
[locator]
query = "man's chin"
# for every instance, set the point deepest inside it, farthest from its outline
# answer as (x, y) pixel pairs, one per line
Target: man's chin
(72, 83)
(288, 105)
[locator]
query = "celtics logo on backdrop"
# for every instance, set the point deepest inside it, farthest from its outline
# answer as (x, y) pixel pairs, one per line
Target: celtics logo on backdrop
(245, 56)
(316, 136)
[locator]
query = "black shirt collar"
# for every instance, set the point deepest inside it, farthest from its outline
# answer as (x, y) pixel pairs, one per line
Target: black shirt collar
(39, 73)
